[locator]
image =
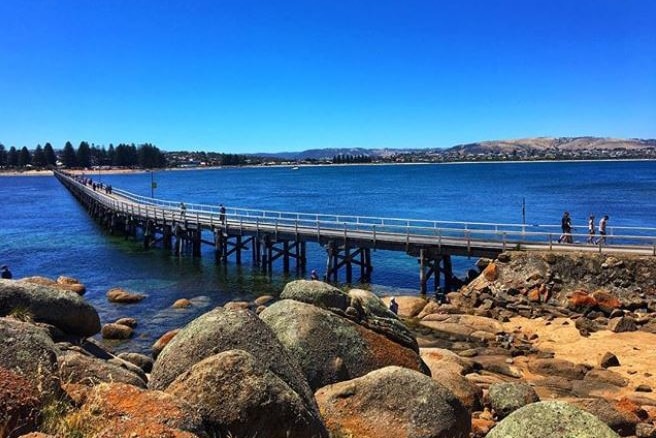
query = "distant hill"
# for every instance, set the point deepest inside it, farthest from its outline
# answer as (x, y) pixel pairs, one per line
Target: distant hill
(554, 144)
(520, 148)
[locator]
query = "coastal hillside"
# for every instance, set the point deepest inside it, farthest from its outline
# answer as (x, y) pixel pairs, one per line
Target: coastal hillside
(554, 145)
(525, 148)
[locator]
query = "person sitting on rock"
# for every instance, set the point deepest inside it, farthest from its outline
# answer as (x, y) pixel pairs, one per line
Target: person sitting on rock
(394, 306)
(5, 272)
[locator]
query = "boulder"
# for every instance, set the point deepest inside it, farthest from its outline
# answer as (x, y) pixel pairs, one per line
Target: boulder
(557, 367)
(90, 371)
(163, 341)
(118, 295)
(581, 301)
(464, 327)
(609, 360)
(437, 359)
(116, 331)
(605, 376)
(222, 330)
(144, 362)
(393, 401)
(237, 395)
(61, 308)
(622, 324)
(375, 315)
(19, 404)
(551, 419)
(120, 410)
(28, 351)
(468, 393)
(62, 283)
(128, 322)
(586, 326)
(409, 306)
(506, 398)
(330, 348)
(71, 284)
(316, 293)
(606, 301)
(182, 303)
(264, 300)
(621, 421)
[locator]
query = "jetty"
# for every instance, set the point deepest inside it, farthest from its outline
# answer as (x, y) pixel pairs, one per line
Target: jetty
(280, 238)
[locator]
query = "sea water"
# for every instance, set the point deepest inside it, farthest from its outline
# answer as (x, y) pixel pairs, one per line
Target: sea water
(45, 231)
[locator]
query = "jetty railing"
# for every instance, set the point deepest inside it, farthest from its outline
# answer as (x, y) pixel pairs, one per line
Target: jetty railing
(495, 236)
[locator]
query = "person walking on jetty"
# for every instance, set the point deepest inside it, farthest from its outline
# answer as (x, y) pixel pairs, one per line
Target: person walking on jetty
(591, 229)
(566, 226)
(183, 210)
(5, 272)
(222, 214)
(602, 230)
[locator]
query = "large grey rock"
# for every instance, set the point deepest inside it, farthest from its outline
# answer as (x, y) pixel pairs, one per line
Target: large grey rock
(361, 306)
(28, 351)
(61, 308)
(551, 419)
(506, 398)
(222, 330)
(331, 348)
(239, 396)
(317, 293)
(393, 401)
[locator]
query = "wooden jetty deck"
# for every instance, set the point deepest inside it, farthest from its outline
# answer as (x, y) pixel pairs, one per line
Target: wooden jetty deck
(272, 236)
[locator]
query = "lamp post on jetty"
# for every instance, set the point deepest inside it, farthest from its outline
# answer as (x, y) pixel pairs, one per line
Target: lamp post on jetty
(153, 185)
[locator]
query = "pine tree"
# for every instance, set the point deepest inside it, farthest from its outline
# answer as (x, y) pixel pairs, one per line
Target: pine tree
(68, 156)
(48, 151)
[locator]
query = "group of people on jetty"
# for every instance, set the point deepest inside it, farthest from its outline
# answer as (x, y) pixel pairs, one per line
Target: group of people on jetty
(566, 226)
(94, 185)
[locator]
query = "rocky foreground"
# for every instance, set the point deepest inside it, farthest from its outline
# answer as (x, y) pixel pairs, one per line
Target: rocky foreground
(537, 345)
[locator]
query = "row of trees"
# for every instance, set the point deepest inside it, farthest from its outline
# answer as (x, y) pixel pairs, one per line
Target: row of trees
(347, 158)
(41, 157)
(124, 155)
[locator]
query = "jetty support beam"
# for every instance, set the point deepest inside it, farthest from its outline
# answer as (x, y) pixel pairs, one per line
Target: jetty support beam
(344, 257)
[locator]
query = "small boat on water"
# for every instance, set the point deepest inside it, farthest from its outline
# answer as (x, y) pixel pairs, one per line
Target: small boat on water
(295, 168)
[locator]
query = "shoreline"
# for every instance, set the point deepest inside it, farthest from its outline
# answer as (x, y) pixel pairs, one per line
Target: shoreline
(121, 171)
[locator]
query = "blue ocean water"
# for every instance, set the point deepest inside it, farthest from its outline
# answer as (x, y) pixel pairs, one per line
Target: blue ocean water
(45, 231)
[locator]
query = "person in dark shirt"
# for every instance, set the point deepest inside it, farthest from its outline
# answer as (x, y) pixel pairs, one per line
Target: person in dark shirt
(5, 272)
(566, 226)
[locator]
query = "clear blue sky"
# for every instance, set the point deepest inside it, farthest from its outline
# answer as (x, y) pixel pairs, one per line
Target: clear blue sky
(256, 76)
